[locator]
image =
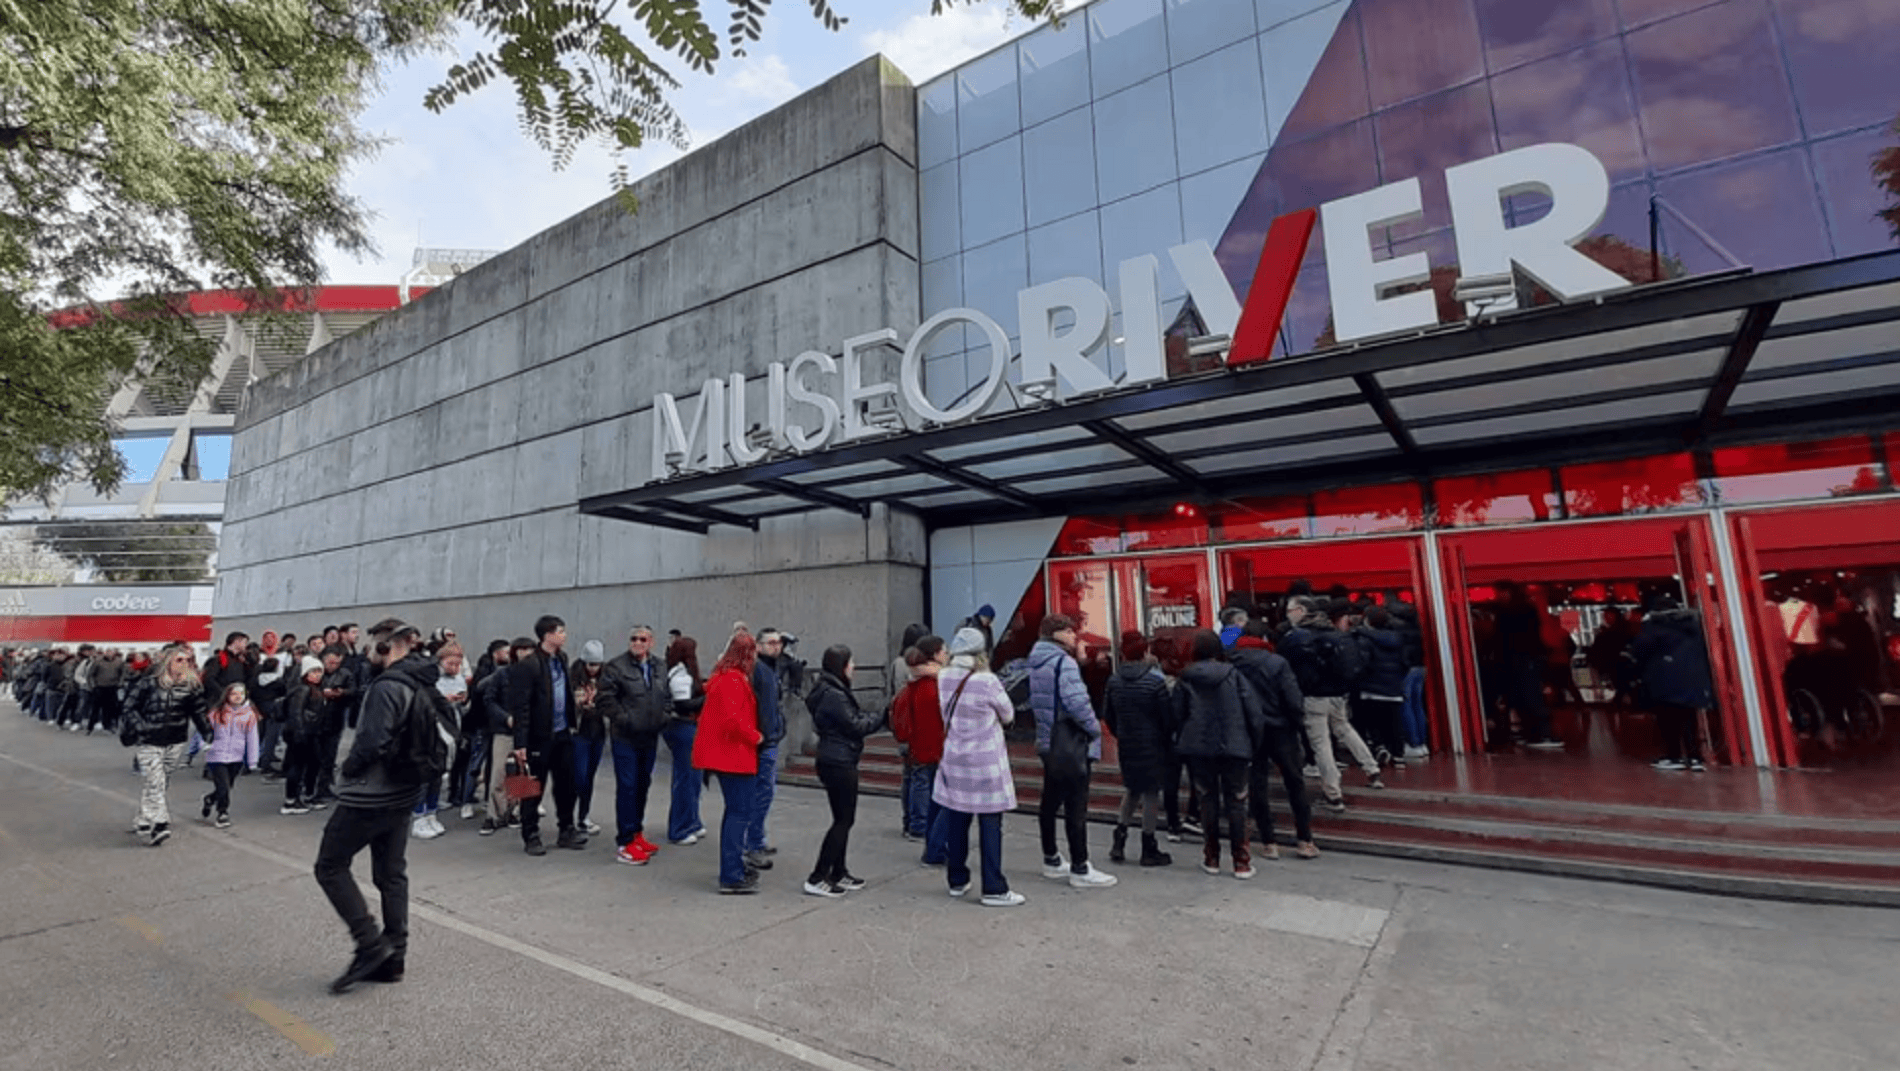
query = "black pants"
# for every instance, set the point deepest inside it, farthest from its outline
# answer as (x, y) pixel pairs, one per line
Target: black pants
(300, 770)
(1524, 693)
(556, 765)
(326, 746)
(1280, 750)
(1071, 797)
(105, 707)
(1224, 791)
(1680, 733)
(1381, 722)
(841, 791)
(385, 832)
(222, 775)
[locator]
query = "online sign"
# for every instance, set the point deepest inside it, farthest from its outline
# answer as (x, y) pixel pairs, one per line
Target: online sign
(834, 403)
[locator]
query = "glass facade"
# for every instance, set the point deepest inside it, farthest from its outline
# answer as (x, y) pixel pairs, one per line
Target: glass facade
(1142, 123)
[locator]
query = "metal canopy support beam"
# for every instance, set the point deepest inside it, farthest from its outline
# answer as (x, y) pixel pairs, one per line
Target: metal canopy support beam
(817, 496)
(1382, 405)
(658, 520)
(919, 463)
(1748, 338)
(709, 513)
(1115, 435)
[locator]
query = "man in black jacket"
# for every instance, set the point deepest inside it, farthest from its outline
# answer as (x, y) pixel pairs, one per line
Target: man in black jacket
(636, 703)
(232, 665)
(541, 700)
(381, 780)
(1284, 711)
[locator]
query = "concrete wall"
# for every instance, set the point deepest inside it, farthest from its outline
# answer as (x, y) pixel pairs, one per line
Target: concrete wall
(430, 465)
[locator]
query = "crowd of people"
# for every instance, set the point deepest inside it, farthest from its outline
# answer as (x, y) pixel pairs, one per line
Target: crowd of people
(524, 723)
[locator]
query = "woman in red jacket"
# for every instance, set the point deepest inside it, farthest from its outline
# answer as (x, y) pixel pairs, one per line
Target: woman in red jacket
(917, 720)
(727, 745)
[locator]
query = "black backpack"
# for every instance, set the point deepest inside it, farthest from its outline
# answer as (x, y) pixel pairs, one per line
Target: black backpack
(426, 741)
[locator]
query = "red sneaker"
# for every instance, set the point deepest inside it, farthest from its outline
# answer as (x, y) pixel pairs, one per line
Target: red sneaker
(640, 841)
(632, 855)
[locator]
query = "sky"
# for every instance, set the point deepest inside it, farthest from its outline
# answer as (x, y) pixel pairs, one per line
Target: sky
(469, 179)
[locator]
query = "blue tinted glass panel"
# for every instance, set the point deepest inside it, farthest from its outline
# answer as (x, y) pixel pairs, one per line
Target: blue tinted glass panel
(1072, 247)
(1220, 113)
(1270, 13)
(1518, 31)
(1149, 223)
(1853, 199)
(1761, 209)
(1711, 85)
(938, 206)
(1315, 73)
(1197, 27)
(1059, 165)
(1134, 147)
(1208, 200)
(213, 455)
(986, 100)
(937, 122)
(1638, 12)
(992, 276)
(1580, 97)
(992, 191)
(942, 282)
(1415, 47)
(1845, 59)
(1128, 41)
(1054, 66)
(945, 378)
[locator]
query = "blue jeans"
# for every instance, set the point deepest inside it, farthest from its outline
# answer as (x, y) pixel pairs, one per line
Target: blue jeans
(633, 778)
(918, 778)
(587, 755)
(480, 744)
(936, 835)
(739, 790)
(1414, 713)
(431, 800)
(768, 784)
(990, 839)
(683, 817)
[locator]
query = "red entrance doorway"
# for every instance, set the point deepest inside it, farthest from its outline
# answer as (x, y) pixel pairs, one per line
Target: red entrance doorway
(1539, 619)
(1823, 583)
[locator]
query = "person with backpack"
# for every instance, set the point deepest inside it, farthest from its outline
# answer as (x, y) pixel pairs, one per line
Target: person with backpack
(1221, 725)
(400, 746)
(1328, 664)
(1283, 714)
(1136, 708)
(304, 717)
(634, 701)
(917, 722)
(163, 709)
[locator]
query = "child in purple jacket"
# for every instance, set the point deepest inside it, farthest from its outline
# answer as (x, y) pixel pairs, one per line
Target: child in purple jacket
(233, 744)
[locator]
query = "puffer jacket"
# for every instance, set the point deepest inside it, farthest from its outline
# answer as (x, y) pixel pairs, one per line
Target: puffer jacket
(1672, 660)
(634, 699)
(1385, 662)
(1272, 681)
(840, 725)
(1056, 690)
(1137, 709)
(1218, 714)
(163, 716)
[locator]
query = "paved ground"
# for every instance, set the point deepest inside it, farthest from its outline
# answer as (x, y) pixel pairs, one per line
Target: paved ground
(215, 950)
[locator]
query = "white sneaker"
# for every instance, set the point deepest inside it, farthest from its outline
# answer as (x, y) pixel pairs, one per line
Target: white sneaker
(590, 828)
(690, 838)
(421, 830)
(826, 890)
(959, 890)
(1091, 878)
(1056, 871)
(1309, 771)
(1011, 898)
(1417, 753)
(435, 824)
(468, 811)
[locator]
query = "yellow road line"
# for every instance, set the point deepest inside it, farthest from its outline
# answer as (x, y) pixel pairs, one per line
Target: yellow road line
(142, 928)
(301, 1034)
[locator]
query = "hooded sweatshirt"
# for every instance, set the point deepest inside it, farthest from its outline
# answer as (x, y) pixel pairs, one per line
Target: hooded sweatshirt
(1217, 712)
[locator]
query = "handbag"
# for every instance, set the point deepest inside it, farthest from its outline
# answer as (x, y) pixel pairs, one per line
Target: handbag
(1068, 750)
